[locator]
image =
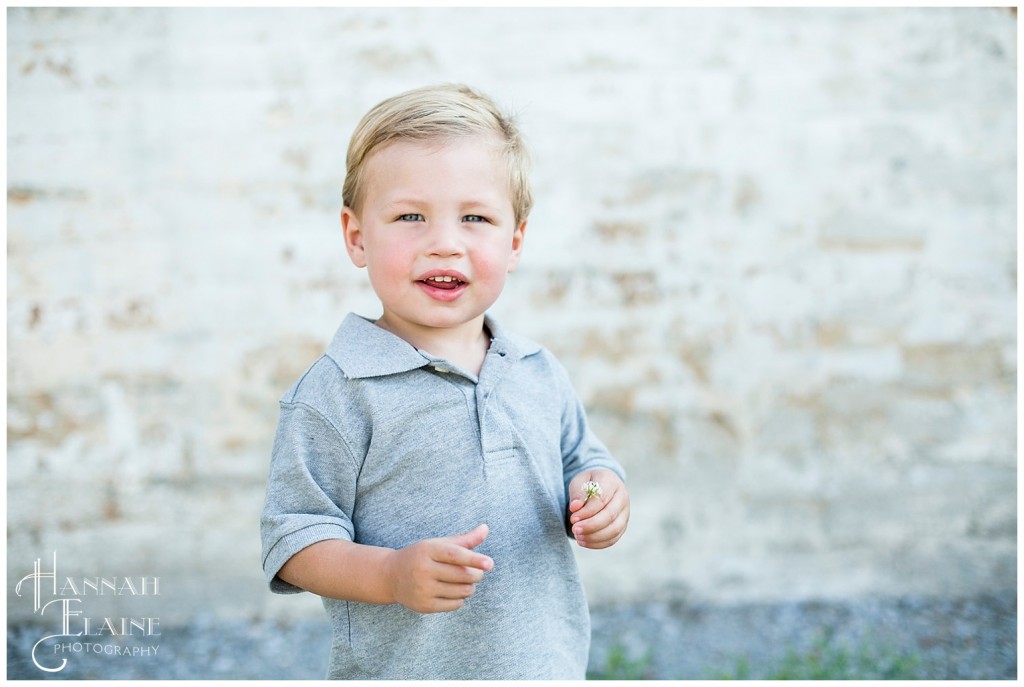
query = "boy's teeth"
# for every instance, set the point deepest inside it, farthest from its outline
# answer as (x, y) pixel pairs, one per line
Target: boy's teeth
(446, 279)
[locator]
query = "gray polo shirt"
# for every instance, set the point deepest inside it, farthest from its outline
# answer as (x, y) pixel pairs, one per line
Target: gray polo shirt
(383, 444)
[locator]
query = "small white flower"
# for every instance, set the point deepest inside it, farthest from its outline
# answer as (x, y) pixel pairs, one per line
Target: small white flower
(591, 489)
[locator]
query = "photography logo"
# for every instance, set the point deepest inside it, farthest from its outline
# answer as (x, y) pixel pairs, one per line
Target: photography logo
(65, 600)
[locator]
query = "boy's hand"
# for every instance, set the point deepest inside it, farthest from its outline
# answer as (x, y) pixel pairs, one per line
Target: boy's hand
(436, 575)
(601, 520)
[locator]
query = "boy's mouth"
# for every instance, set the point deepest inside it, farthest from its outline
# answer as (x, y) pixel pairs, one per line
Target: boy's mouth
(443, 285)
(446, 282)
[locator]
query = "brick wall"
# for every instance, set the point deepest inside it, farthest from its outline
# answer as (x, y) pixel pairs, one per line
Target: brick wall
(775, 248)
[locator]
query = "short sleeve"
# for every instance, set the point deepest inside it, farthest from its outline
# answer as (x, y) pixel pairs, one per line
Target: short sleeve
(581, 449)
(310, 491)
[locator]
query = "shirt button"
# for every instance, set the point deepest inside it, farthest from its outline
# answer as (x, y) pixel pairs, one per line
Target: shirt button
(442, 369)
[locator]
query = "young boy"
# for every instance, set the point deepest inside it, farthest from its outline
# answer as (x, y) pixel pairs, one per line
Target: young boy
(427, 468)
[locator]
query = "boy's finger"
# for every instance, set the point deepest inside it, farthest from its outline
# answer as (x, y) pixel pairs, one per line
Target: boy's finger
(592, 507)
(591, 521)
(457, 550)
(459, 574)
(445, 605)
(456, 590)
(592, 525)
(598, 533)
(471, 539)
(605, 529)
(458, 556)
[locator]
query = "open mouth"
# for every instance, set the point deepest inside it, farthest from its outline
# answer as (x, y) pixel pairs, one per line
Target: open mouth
(446, 283)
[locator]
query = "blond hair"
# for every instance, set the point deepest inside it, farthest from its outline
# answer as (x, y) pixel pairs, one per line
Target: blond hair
(438, 112)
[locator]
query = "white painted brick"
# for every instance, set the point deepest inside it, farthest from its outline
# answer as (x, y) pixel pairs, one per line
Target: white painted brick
(775, 249)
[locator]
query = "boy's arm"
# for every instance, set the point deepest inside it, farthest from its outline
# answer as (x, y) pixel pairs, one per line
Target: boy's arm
(308, 537)
(430, 576)
(310, 490)
(581, 449)
(601, 521)
(340, 569)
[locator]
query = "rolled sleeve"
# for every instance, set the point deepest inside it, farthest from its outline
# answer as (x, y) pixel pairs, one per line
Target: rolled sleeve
(310, 491)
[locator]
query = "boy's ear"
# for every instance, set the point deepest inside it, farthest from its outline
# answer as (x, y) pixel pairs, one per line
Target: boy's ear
(517, 246)
(353, 237)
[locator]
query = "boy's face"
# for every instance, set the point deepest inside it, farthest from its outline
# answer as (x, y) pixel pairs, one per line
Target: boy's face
(436, 232)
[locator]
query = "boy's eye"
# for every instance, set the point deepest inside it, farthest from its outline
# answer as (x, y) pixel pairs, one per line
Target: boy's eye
(474, 218)
(411, 217)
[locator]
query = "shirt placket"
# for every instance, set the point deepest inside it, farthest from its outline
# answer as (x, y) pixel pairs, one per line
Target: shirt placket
(496, 436)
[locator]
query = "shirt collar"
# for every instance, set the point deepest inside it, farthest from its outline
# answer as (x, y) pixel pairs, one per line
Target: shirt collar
(362, 349)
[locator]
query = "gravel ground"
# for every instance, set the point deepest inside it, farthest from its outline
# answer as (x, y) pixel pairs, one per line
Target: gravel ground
(936, 639)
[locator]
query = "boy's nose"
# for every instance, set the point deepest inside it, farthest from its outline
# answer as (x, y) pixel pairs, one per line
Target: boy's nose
(445, 239)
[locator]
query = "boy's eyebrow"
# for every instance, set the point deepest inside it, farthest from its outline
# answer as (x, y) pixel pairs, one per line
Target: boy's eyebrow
(419, 202)
(403, 201)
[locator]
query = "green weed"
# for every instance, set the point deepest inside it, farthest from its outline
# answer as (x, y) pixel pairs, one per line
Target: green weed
(619, 666)
(826, 660)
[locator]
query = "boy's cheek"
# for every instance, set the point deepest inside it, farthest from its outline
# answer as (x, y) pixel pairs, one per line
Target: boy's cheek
(386, 260)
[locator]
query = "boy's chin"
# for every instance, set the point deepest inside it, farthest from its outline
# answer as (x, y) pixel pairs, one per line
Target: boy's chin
(441, 321)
